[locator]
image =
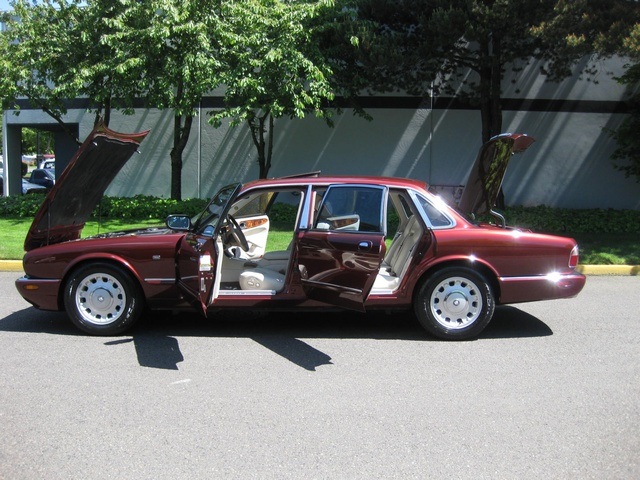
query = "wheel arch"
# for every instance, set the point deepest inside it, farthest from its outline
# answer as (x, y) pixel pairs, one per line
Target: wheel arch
(473, 264)
(110, 260)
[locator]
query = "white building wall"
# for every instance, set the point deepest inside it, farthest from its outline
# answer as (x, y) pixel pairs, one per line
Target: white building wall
(568, 166)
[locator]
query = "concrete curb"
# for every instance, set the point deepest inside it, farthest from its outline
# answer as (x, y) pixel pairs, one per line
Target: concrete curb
(626, 270)
(11, 266)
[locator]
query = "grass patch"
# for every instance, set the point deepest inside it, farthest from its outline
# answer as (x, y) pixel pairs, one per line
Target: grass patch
(14, 231)
(609, 249)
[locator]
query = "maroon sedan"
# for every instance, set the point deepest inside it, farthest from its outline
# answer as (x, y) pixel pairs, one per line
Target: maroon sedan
(359, 243)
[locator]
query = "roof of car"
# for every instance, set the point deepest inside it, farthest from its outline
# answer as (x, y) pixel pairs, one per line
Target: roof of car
(315, 179)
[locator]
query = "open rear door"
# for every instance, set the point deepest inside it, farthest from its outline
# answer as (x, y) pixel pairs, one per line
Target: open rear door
(339, 257)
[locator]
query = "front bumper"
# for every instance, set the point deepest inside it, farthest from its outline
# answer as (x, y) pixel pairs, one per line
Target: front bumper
(40, 292)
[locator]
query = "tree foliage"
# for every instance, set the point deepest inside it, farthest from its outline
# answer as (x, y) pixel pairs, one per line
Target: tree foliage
(602, 28)
(39, 46)
(627, 155)
(169, 47)
(113, 54)
(458, 47)
(272, 68)
(289, 58)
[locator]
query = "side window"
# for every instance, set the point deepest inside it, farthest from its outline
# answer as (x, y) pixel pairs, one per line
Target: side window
(437, 218)
(352, 208)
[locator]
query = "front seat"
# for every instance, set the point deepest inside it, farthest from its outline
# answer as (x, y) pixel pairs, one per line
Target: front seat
(261, 279)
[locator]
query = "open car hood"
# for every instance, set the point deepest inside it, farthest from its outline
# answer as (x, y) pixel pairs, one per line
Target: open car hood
(484, 181)
(81, 186)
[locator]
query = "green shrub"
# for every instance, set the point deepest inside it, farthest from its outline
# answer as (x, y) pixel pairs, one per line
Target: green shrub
(539, 219)
(564, 220)
(138, 207)
(283, 213)
(142, 206)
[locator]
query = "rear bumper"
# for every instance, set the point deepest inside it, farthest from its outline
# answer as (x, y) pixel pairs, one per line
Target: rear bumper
(39, 292)
(543, 287)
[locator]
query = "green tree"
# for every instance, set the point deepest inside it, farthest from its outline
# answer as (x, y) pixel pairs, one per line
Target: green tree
(627, 155)
(171, 48)
(465, 48)
(601, 28)
(113, 53)
(459, 47)
(36, 48)
(272, 68)
(35, 141)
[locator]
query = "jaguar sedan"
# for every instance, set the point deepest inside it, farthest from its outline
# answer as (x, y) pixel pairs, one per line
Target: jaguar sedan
(296, 243)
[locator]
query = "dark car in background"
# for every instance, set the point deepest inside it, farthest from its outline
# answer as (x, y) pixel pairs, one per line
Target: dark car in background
(45, 177)
(27, 187)
(354, 242)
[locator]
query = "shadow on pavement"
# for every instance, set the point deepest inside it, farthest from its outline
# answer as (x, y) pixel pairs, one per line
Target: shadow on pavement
(156, 336)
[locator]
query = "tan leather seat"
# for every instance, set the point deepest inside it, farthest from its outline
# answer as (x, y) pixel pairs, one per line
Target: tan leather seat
(261, 279)
(398, 256)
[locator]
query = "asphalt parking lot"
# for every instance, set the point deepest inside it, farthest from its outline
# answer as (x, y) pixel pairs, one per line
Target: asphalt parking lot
(550, 390)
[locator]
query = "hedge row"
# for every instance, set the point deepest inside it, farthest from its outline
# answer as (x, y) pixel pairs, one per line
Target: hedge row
(135, 208)
(540, 219)
(564, 220)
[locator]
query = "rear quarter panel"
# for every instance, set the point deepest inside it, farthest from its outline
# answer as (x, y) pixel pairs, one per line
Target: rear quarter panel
(509, 253)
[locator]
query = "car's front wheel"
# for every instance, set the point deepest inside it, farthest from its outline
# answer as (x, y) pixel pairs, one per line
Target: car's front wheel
(102, 299)
(455, 304)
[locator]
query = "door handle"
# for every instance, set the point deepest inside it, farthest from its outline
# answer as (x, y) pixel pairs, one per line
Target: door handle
(364, 246)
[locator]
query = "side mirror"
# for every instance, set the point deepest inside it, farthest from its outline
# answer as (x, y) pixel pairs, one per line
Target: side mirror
(179, 222)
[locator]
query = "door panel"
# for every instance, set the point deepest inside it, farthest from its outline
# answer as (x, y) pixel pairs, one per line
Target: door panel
(256, 231)
(340, 256)
(339, 268)
(197, 257)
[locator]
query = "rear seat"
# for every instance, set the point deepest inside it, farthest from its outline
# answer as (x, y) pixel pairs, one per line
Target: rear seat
(397, 258)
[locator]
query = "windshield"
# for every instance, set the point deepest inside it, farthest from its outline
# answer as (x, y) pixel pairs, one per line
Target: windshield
(208, 219)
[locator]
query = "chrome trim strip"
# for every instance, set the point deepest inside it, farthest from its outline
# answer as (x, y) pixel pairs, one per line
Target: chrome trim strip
(381, 291)
(546, 277)
(246, 293)
(160, 281)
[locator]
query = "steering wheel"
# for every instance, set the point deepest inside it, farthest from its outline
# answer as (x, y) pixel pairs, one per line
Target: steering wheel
(237, 234)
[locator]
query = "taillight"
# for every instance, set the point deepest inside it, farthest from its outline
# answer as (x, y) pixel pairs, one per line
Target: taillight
(574, 257)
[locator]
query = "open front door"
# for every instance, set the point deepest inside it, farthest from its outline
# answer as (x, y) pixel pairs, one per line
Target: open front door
(198, 256)
(197, 260)
(340, 255)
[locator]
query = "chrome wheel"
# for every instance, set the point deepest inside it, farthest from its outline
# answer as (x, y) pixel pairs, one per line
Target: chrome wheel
(100, 299)
(456, 303)
(103, 298)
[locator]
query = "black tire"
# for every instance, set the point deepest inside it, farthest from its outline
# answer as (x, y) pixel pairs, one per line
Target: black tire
(455, 304)
(102, 299)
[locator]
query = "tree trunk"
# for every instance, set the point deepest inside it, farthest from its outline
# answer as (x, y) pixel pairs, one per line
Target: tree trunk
(265, 150)
(490, 89)
(491, 95)
(181, 134)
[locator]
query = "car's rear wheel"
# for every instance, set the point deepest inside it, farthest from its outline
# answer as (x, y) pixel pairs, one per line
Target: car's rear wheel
(455, 304)
(102, 299)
